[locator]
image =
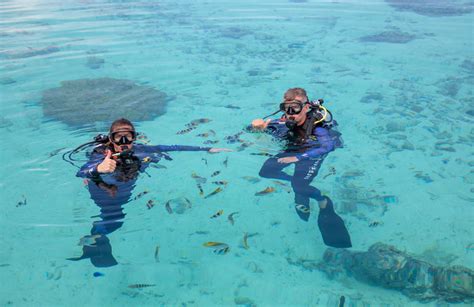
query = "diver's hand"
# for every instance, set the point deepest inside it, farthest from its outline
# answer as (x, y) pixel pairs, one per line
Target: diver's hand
(287, 160)
(216, 150)
(108, 165)
(260, 123)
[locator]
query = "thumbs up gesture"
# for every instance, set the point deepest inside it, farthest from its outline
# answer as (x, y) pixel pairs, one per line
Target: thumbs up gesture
(108, 165)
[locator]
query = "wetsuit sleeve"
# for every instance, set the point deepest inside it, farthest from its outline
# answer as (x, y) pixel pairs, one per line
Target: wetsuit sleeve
(159, 148)
(89, 170)
(325, 141)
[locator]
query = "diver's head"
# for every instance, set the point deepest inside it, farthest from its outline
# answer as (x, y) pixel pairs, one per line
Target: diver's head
(295, 105)
(122, 135)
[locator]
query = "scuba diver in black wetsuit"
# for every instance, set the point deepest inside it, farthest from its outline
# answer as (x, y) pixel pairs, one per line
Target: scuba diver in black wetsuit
(111, 173)
(307, 128)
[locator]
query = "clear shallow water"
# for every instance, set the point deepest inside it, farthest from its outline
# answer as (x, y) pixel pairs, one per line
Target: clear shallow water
(405, 111)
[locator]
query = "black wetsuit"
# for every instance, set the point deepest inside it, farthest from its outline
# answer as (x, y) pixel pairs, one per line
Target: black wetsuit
(111, 191)
(310, 149)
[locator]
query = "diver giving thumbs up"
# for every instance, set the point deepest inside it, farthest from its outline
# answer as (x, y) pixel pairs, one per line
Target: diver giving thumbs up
(108, 165)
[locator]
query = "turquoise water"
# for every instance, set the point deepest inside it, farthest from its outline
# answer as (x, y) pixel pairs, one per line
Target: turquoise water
(403, 100)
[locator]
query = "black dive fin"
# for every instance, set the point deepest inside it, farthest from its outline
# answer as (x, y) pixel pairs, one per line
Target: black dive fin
(332, 227)
(100, 253)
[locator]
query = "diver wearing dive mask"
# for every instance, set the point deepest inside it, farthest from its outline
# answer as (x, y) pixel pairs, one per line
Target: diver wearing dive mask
(292, 110)
(306, 128)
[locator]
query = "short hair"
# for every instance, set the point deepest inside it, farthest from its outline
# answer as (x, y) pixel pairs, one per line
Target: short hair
(291, 93)
(121, 122)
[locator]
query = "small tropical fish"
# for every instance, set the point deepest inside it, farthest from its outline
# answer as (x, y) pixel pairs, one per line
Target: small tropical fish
(230, 217)
(280, 183)
(205, 160)
(186, 130)
(198, 179)
(55, 152)
(201, 191)
(140, 195)
(146, 159)
(212, 244)
(267, 190)
(226, 161)
(188, 202)
(140, 286)
(244, 241)
(285, 186)
(88, 240)
(375, 223)
(222, 182)
(222, 250)
(332, 171)
(261, 154)
(219, 189)
(244, 145)
(302, 208)
(198, 121)
(342, 300)
(168, 207)
(233, 138)
(157, 252)
(22, 202)
(251, 179)
(215, 173)
(229, 106)
(470, 247)
(150, 204)
(98, 274)
(211, 142)
(158, 166)
(217, 214)
(203, 135)
(201, 232)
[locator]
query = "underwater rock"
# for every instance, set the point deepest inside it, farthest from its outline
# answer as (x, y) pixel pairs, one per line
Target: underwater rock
(87, 101)
(179, 205)
(436, 8)
(234, 32)
(394, 37)
(449, 86)
(5, 122)
(468, 65)
(393, 126)
(391, 268)
(30, 52)
(371, 97)
(94, 62)
(7, 80)
(239, 300)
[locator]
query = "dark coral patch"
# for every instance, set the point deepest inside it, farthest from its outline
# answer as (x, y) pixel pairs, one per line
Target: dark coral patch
(394, 37)
(433, 8)
(84, 102)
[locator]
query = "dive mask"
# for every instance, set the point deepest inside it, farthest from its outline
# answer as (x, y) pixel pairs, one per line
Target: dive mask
(123, 137)
(292, 107)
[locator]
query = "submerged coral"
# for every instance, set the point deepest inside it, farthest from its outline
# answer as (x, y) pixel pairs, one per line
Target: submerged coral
(30, 52)
(87, 101)
(94, 62)
(433, 8)
(394, 37)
